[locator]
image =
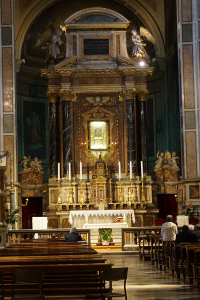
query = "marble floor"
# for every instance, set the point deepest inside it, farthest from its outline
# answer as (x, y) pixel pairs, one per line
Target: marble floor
(147, 282)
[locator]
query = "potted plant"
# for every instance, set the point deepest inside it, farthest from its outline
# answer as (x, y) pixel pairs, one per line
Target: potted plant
(12, 218)
(106, 235)
(191, 212)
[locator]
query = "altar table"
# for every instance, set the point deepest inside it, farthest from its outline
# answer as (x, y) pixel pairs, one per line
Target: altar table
(105, 225)
(86, 213)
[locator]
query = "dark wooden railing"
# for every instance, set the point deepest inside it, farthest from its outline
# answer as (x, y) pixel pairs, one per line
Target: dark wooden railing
(130, 235)
(15, 236)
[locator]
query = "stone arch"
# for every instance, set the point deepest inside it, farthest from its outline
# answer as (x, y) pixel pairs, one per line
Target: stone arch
(137, 8)
(95, 10)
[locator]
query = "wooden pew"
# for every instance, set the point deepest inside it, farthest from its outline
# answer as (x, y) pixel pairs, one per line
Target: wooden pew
(68, 269)
(144, 247)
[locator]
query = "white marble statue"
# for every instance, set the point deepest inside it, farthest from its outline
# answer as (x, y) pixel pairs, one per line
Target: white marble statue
(160, 161)
(50, 41)
(139, 44)
(36, 165)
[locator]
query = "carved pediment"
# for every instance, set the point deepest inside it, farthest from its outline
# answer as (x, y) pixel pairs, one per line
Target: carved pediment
(127, 62)
(98, 113)
(66, 64)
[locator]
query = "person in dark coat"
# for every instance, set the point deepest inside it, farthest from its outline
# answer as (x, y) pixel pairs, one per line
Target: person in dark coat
(197, 231)
(186, 236)
(73, 237)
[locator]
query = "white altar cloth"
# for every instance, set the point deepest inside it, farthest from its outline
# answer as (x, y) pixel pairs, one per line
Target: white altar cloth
(105, 225)
(117, 212)
(182, 220)
(39, 222)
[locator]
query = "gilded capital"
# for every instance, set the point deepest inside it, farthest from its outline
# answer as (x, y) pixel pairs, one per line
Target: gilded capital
(142, 95)
(130, 93)
(122, 96)
(68, 95)
(52, 96)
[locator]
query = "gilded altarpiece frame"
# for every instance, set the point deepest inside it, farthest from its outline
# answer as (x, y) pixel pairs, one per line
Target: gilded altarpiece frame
(88, 111)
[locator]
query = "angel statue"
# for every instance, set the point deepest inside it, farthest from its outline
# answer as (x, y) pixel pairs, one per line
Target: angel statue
(173, 161)
(138, 48)
(50, 41)
(25, 163)
(36, 165)
(160, 161)
(97, 101)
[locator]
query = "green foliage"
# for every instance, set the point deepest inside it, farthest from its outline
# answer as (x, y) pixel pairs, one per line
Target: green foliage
(106, 235)
(191, 212)
(12, 218)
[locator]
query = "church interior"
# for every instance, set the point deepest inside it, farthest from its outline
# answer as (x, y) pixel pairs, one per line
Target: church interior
(99, 116)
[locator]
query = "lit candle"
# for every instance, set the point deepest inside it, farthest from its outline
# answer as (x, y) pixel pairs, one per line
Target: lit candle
(58, 171)
(141, 169)
(131, 170)
(69, 171)
(119, 170)
(81, 170)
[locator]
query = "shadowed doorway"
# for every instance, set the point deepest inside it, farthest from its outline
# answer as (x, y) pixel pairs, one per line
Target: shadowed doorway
(33, 209)
(167, 205)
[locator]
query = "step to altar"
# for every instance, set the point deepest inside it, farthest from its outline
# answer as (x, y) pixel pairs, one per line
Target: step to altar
(107, 248)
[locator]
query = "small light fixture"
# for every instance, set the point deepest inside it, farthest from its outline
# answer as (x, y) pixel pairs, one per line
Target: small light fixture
(142, 63)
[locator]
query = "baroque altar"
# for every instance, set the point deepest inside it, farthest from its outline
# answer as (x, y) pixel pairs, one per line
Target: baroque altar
(97, 98)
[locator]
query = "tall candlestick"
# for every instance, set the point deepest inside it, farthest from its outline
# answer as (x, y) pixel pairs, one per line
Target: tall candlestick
(142, 175)
(131, 175)
(81, 170)
(119, 170)
(58, 171)
(69, 171)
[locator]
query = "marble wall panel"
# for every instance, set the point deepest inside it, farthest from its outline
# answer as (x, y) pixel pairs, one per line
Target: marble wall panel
(8, 123)
(187, 32)
(188, 76)
(6, 12)
(7, 79)
(191, 154)
(8, 146)
(186, 10)
(6, 36)
(198, 7)
(190, 120)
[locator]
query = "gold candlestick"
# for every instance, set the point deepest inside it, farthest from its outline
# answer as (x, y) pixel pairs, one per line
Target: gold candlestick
(120, 197)
(59, 192)
(81, 199)
(70, 197)
(143, 194)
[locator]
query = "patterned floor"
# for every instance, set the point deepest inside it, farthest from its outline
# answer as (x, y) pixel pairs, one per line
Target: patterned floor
(147, 282)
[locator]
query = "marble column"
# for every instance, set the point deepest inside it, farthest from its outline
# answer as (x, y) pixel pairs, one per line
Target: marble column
(130, 127)
(66, 135)
(142, 97)
(66, 96)
(53, 133)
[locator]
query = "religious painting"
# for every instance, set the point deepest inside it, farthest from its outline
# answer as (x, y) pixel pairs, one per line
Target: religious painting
(34, 128)
(98, 135)
(194, 191)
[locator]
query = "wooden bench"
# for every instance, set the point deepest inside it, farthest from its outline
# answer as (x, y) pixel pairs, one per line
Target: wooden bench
(68, 269)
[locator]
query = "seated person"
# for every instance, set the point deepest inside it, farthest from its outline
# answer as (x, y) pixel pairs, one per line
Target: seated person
(197, 231)
(191, 227)
(186, 236)
(73, 236)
